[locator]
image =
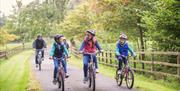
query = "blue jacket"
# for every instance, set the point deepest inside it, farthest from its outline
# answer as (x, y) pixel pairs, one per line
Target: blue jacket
(52, 51)
(123, 49)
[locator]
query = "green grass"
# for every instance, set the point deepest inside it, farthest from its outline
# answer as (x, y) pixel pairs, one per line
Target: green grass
(14, 72)
(142, 82)
(10, 46)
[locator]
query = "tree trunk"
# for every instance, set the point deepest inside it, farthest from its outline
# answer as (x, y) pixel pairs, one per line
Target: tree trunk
(141, 40)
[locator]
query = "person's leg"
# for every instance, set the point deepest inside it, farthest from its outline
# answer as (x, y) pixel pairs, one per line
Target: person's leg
(119, 62)
(36, 61)
(85, 64)
(64, 65)
(95, 61)
(56, 64)
(125, 61)
(42, 53)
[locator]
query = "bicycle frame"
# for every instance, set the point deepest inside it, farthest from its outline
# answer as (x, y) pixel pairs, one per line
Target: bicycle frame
(60, 67)
(125, 70)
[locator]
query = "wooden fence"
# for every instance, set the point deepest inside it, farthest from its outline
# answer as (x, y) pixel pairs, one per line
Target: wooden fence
(9, 52)
(108, 58)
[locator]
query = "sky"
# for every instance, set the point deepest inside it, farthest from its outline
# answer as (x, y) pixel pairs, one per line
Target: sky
(6, 5)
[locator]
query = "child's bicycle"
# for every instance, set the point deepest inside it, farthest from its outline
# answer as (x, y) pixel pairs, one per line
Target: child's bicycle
(126, 73)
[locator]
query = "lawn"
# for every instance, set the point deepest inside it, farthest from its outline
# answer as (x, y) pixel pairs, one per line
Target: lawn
(14, 72)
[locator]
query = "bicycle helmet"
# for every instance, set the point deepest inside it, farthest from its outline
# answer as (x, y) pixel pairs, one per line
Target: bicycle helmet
(91, 32)
(39, 35)
(123, 36)
(57, 36)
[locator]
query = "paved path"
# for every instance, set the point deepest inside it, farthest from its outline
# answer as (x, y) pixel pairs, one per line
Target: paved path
(74, 82)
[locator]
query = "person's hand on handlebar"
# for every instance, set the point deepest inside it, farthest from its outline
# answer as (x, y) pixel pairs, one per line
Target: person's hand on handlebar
(81, 52)
(100, 51)
(133, 55)
(50, 58)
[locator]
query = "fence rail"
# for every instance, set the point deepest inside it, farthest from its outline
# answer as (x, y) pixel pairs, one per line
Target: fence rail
(9, 52)
(108, 58)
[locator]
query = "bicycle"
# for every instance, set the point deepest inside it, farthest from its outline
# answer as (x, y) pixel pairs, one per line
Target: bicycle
(60, 74)
(91, 71)
(39, 58)
(126, 73)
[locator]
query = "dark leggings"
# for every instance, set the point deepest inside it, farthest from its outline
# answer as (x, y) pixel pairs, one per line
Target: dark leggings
(120, 61)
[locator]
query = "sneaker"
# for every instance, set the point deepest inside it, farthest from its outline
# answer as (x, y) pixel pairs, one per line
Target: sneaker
(97, 70)
(54, 81)
(119, 72)
(85, 79)
(36, 65)
(66, 75)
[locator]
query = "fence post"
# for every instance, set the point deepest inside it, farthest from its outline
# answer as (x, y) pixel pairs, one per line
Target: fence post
(99, 57)
(106, 56)
(178, 62)
(102, 57)
(134, 63)
(152, 60)
(110, 56)
(143, 58)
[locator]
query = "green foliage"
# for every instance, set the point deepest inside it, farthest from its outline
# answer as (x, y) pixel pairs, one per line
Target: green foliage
(157, 18)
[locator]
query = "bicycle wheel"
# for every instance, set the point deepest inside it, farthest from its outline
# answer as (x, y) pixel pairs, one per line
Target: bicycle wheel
(61, 81)
(39, 62)
(89, 78)
(119, 78)
(93, 81)
(130, 79)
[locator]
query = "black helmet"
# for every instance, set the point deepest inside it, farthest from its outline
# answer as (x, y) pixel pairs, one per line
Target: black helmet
(39, 35)
(91, 32)
(57, 36)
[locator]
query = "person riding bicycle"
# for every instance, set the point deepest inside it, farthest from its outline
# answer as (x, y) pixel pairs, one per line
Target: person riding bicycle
(39, 44)
(122, 49)
(66, 43)
(58, 51)
(89, 45)
(67, 46)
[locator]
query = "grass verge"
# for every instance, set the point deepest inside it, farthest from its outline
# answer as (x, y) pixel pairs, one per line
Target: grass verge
(15, 72)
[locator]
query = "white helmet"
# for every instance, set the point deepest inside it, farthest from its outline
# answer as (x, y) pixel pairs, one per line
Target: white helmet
(91, 32)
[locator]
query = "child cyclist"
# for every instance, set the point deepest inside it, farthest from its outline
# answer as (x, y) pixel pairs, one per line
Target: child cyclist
(122, 49)
(57, 51)
(89, 45)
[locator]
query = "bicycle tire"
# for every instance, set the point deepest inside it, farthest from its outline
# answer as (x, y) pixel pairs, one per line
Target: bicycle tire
(90, 79)
(119, 78)
(61, 82)
(39, 62)
(130, 73)
(40, 66)
(94, 81)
